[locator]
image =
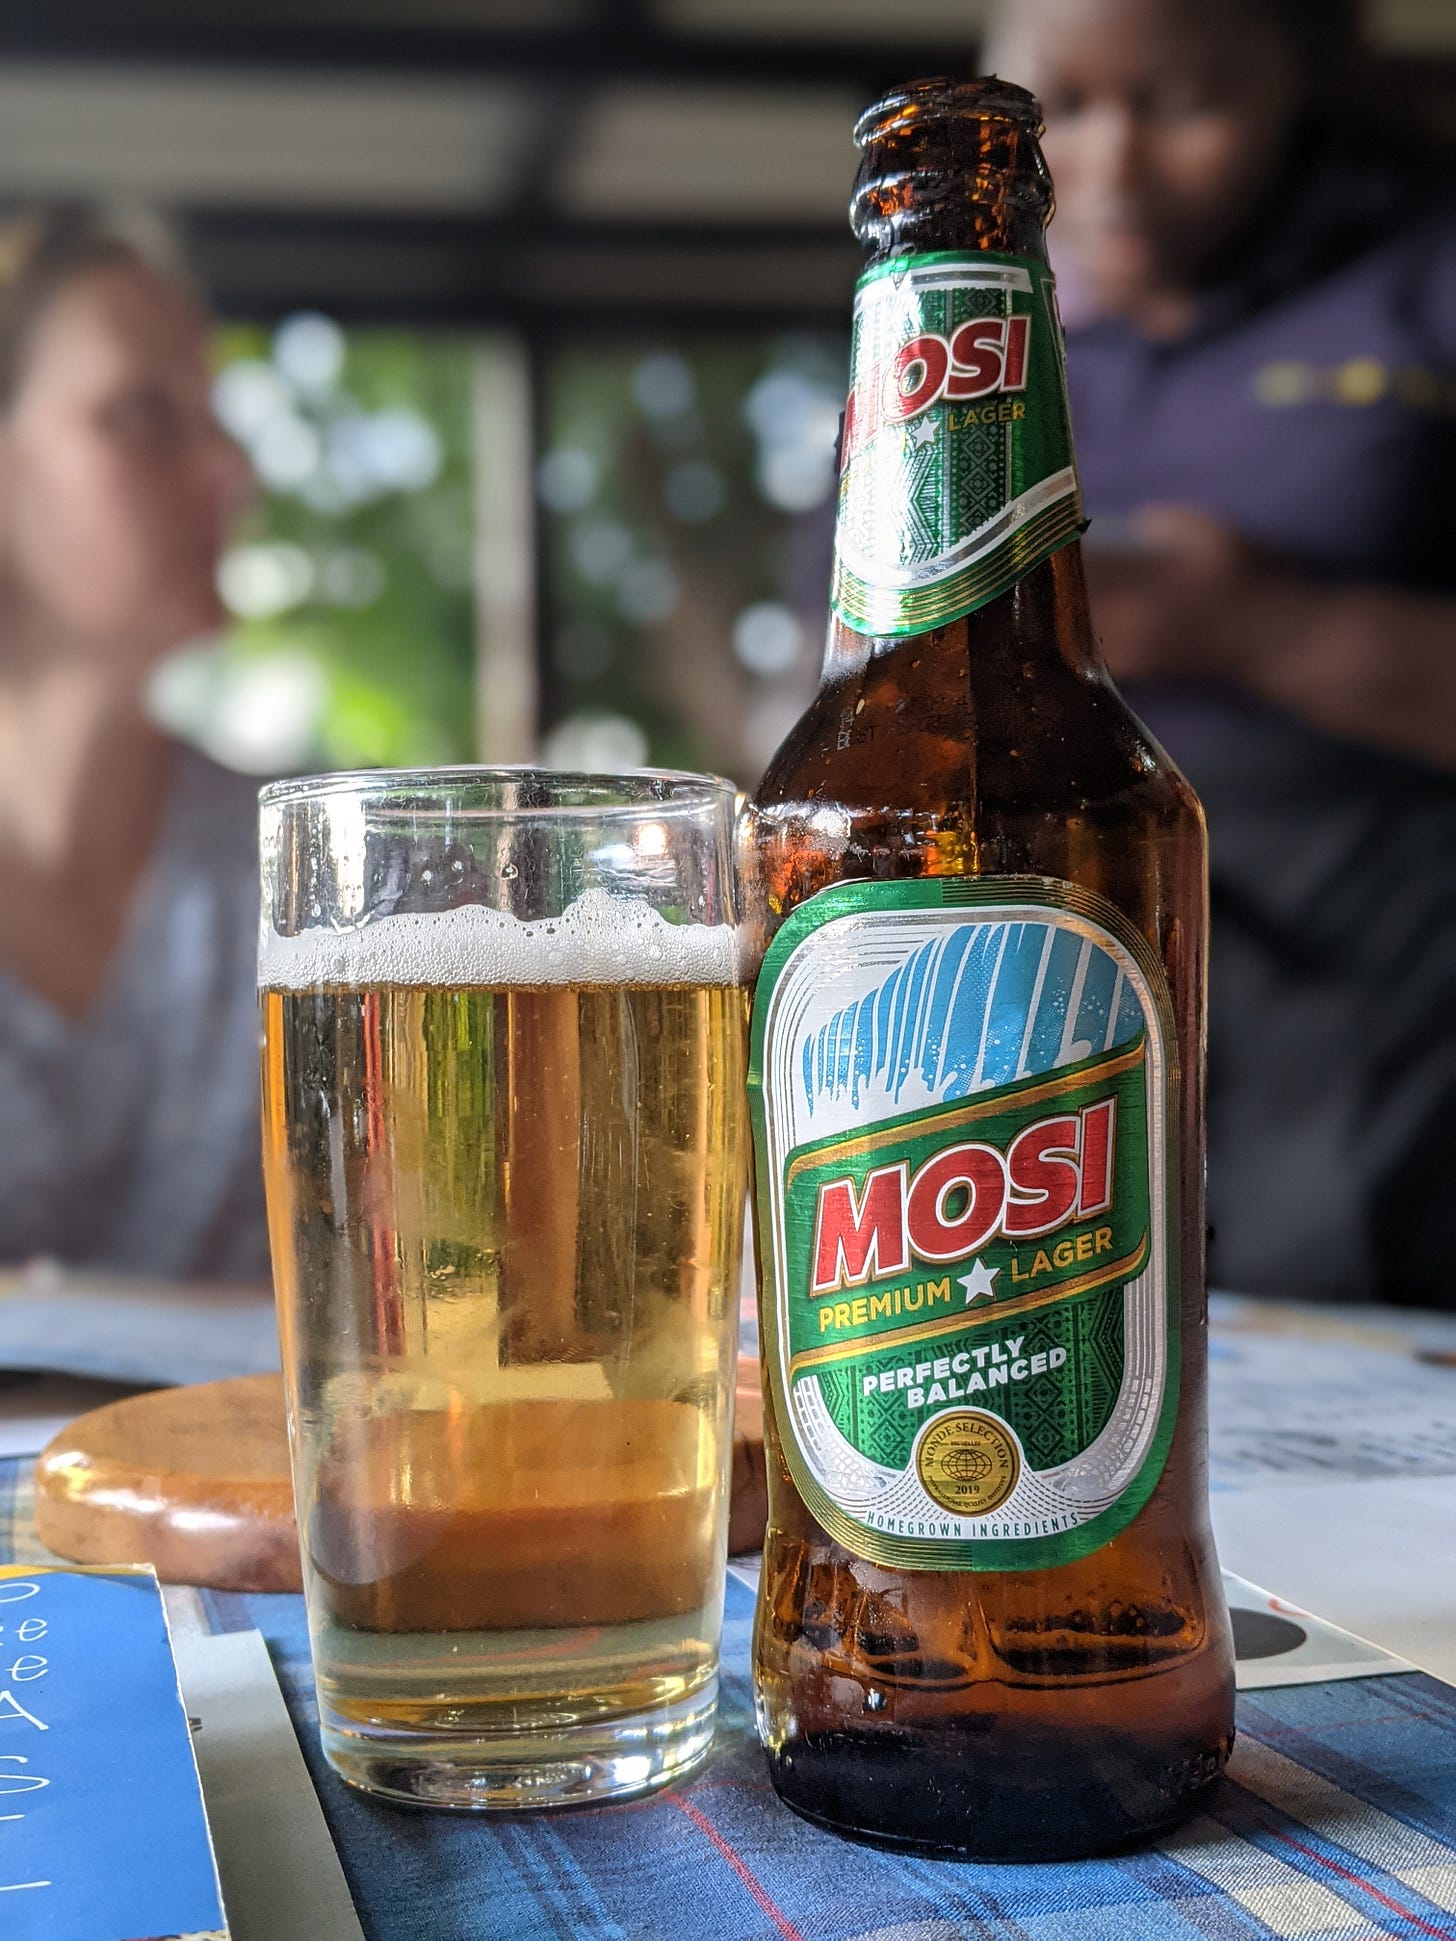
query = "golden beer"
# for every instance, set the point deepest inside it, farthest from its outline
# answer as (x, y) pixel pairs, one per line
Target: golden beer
(506, 1217)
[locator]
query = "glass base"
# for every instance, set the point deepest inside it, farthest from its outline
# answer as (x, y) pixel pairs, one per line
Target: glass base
(514, 1772)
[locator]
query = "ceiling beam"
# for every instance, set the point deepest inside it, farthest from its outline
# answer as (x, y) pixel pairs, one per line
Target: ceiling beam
(611, 276)
(596, 44)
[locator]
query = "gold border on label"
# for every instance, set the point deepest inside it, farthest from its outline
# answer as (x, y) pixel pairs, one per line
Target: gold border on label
(873, 609)
(1003, 1099)
(946, 1325)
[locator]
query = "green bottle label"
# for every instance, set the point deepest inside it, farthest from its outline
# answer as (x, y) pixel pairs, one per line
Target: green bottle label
(964, 1104)
(957, 474)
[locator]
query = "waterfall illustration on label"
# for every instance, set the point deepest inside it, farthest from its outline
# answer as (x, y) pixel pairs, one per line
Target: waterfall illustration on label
(964, 1097)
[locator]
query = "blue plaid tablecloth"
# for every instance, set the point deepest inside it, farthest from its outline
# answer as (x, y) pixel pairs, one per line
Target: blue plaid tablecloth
(1337, 1823)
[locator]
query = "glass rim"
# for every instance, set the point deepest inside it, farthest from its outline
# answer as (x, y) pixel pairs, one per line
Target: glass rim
(650, 791)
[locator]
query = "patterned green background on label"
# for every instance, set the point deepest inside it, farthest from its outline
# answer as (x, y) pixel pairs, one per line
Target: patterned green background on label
(1054, 1418)
(914, 495)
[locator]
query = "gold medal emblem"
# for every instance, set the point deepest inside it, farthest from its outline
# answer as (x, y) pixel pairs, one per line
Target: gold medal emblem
(968, 1462)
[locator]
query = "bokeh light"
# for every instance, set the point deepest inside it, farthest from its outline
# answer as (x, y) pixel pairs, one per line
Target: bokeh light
(567, 479)
(767, 638)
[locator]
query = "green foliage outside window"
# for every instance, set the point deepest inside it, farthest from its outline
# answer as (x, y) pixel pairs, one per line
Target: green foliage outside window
(352, 642)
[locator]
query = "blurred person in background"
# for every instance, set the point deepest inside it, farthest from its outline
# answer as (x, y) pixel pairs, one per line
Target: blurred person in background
(128, 919)
(1261, 299)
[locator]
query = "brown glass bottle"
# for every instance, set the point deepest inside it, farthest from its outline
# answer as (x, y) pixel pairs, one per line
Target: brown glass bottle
(1030, 1712)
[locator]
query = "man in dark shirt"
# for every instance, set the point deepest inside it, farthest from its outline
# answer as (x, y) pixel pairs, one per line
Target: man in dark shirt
(1262, 306)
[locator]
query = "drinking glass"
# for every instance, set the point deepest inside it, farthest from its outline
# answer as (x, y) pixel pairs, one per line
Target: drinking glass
(504, 1145)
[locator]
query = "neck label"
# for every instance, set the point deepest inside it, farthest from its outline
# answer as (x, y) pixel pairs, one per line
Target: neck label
(957, 474)
(965, 1124)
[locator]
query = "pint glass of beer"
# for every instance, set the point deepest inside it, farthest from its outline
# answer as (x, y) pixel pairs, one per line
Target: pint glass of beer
(503, 1077)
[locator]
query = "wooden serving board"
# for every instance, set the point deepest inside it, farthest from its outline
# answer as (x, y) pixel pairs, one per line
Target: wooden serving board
(194, 1481)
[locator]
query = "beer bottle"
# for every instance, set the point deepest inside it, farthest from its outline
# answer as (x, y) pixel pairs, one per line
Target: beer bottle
(990, 1619)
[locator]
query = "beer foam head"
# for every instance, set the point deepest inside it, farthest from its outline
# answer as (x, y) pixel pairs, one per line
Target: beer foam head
(598, 940)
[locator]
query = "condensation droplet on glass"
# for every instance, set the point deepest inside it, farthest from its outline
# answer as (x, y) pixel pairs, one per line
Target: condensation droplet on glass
(509, 871)
(457, 865)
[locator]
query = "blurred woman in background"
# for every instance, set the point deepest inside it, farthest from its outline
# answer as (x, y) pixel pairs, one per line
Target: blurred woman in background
(128, 1035)
(1261, 294)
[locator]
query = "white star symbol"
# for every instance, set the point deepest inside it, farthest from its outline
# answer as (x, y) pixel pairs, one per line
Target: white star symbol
(922, 433)
(980, 1283)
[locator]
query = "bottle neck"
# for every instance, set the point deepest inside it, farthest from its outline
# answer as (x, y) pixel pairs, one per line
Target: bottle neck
(1043, 620)
(958, 484)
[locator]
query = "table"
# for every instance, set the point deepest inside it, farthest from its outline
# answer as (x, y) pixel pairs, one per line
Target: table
(1332, 1465)
(1337, 1822)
